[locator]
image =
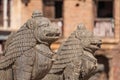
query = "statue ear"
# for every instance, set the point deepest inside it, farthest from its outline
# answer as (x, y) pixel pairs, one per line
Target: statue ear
(81, 27)
(80, 30)
(78, 35)
(31, 24)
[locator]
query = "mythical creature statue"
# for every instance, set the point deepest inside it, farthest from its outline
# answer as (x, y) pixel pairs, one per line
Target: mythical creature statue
(76, 59)
(27, 54)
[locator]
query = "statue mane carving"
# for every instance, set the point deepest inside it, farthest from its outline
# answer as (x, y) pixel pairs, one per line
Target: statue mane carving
(20, 42)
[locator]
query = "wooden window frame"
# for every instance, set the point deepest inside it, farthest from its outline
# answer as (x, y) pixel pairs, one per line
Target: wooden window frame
(53, 19)
(116, 37)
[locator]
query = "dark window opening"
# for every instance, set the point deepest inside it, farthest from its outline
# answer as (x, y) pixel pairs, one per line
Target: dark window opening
(48, 8)
(105, 9)
(52, 8)
(58, 9)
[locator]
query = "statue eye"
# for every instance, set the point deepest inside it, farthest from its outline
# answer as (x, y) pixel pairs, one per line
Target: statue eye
(43, 25)
(46, 25)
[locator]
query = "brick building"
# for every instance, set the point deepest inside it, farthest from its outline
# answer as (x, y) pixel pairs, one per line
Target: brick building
(102, 17)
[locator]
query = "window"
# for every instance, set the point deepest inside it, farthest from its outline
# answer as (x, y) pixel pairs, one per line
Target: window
(53, 9)
(105, 9)
(104, 21)
(104, 28)
(58, 9)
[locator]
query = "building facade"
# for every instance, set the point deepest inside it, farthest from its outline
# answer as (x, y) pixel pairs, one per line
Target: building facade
(102, 17)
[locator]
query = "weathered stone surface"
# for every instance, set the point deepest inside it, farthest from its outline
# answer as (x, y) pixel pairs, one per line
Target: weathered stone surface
(76, 59)
(97, 72)
(27, 54)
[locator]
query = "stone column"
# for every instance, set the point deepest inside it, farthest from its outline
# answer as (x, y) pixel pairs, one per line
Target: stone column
(5, 17)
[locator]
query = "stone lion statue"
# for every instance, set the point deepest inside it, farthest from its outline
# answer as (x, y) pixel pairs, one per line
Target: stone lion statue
(27, 54)
(75, 59)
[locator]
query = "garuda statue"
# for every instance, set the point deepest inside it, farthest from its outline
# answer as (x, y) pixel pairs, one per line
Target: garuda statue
(76, 59)
(27, 54)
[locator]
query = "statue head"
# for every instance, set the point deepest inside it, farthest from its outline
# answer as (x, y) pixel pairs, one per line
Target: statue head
(89, 42)
(44, 30)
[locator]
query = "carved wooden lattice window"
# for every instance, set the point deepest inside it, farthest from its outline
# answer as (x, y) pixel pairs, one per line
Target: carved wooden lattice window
(104, 22)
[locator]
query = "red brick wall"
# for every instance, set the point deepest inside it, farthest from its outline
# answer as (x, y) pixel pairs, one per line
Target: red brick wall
(115, 63)
(116, 66)
(27, 10)
(75, 12)
(20, 13)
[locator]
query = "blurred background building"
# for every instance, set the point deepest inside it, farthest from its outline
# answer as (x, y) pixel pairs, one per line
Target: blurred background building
(102, 17)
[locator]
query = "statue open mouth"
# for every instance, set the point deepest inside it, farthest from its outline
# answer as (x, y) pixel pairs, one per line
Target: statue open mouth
(53, 34)
(93, 47)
